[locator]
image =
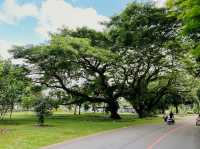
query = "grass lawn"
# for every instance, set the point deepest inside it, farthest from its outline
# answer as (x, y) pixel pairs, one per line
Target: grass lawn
(21, 131)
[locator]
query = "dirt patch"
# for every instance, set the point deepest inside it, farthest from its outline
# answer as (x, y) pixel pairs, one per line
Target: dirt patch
(43, 126)
(4, 131)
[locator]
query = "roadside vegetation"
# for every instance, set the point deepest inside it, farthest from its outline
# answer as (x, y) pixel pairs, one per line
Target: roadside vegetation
(22, 132)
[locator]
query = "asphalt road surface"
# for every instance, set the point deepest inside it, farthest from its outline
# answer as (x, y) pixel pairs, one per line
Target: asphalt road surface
(183, 135)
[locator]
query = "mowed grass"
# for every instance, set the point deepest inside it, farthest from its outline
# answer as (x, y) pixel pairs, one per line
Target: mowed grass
(21, 132)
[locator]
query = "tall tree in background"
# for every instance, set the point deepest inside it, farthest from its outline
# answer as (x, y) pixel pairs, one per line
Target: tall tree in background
(13, 84)
(151, 52)
(188, 12)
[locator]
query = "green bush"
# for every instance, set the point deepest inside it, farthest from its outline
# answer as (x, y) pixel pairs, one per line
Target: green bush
(42, 108)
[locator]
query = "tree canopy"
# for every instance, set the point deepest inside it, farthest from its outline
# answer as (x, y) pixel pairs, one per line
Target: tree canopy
(139, 57)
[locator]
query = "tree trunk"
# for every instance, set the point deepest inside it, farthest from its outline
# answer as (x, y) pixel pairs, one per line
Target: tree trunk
(75, 109)
(104, 108)
(140, 111)
(177, 110)
(79, 109)
(163, 110)
(11, 110)
(94, 108)
(113, 108)
(41, 120)
(115, 115)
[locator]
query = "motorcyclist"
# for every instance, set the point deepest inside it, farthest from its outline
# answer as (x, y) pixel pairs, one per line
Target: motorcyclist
(171, 115)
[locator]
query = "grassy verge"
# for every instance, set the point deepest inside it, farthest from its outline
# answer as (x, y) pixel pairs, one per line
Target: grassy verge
(21, 132)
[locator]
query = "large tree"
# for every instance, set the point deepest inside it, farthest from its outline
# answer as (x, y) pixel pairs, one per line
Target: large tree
(146, 36)
(75, 65)
(135, 58)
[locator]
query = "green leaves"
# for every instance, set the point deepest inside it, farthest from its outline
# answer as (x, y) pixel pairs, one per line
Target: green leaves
(80, 47)
(141, 26)
(135, 58)
(12, 86)
(188, 12)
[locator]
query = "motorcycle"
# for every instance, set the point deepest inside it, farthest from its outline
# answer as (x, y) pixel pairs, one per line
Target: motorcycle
(170, 121)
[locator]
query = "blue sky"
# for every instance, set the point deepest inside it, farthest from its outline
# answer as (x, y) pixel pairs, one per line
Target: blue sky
(23, 30)
(30, 21)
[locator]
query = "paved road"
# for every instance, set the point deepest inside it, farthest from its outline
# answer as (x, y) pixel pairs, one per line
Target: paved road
(182, 135)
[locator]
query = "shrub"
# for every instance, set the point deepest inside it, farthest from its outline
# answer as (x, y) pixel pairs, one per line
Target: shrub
(42, 108)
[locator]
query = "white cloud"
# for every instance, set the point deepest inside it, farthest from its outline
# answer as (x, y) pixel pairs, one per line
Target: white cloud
(51, 15)
(4, 47)
(11, 12)
(160, 3)
(55, 14)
